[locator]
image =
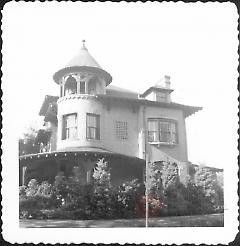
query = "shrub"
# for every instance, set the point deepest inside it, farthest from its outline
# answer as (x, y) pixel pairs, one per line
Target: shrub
(176, 204)
(127, 198)
(34, 198)
(103, 198)
(155, 206)
(69, 198)
(206, 180)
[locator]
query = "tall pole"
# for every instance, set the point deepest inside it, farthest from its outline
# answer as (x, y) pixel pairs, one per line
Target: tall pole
(23, 174)
(146, 192)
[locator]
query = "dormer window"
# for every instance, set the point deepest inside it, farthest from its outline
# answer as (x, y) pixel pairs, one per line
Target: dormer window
(70, 86)
(160, 96)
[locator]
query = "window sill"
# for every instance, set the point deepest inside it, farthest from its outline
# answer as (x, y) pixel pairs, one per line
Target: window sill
(70, 139)
(163, 144)
(91, 139)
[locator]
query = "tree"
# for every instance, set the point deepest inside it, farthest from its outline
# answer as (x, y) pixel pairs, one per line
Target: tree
(155, 180)
(173, 190)
(197, 202)
(170, 175)
(207, 181)
(27, 143)
(103, 199)
(101, 174)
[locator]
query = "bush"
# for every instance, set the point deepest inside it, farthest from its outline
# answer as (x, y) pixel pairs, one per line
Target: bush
(127, 198)
(103, 200)
(69, 198)
(155, 206)
(34, 198)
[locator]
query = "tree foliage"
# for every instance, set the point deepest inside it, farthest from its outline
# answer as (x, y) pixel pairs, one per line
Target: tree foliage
(206, 180)
(27, 143)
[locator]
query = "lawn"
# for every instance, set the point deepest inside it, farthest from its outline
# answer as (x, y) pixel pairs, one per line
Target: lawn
(208, 220)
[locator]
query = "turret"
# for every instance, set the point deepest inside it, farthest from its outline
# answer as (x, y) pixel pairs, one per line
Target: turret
(82, 75)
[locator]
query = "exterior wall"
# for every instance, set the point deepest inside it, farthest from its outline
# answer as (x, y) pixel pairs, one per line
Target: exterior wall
(80, 105)
(120, 111)
(178, 151)
(108, 116)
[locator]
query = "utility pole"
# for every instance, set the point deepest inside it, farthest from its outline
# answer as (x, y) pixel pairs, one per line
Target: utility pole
(146, 192)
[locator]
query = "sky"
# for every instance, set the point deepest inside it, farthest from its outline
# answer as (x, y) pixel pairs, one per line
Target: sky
(137, 43)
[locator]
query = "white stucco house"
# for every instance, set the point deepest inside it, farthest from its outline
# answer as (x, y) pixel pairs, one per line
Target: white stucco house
(92, 119)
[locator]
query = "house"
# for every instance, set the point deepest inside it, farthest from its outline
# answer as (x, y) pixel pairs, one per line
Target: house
(92, 119)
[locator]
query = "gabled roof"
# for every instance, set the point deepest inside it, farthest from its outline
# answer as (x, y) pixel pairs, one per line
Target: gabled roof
(83, 61)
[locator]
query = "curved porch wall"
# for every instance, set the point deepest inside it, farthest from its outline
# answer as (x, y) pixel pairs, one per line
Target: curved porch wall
(108, 117)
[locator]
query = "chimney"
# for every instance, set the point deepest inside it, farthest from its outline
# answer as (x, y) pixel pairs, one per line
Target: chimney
(167, 81)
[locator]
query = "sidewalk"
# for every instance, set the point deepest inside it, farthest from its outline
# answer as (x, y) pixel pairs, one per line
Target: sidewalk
(216, 220)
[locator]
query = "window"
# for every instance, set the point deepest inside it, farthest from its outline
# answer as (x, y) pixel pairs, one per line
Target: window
(161, 97)
(82, 87)
(93, 126)
(162, 131)
(92, 86)
(69, 126)
(121, 130)
(70, 86)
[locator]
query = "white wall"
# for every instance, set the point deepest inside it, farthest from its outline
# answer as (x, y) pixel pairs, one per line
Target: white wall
(119, 111)
(178, 151)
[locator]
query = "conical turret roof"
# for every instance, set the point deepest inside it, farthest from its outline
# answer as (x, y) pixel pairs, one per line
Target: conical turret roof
(83, 61)
(83, 58)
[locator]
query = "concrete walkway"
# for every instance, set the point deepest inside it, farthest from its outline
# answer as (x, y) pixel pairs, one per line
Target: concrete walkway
(176, 221)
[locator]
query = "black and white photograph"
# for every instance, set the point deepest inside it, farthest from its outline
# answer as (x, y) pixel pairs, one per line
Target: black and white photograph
(120, 122)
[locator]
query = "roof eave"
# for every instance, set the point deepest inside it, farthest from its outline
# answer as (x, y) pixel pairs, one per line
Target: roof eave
(188, 110)
(63, 71)
(149, 90)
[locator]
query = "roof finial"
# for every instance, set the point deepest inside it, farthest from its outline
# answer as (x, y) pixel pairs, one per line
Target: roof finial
(83, 45)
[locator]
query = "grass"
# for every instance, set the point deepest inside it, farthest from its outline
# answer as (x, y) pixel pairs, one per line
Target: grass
(208, 220)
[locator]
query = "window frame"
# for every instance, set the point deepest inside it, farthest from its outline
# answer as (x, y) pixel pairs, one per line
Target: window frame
(68, 87)
(64, 127)
(125, 123)
(97, 127)
(161, 95)
(173, 133)
(82, 84)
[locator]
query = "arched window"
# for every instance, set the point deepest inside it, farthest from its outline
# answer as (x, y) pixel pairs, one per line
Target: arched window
(92, 86)
(70, 86)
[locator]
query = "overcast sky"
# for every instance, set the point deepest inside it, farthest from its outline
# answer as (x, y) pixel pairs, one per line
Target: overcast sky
(195, 44)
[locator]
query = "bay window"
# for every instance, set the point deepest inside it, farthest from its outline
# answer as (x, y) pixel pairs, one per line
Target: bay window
(162, 131)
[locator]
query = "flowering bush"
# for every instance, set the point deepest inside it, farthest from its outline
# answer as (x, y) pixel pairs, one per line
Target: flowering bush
(127, 195)
(35, 197)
